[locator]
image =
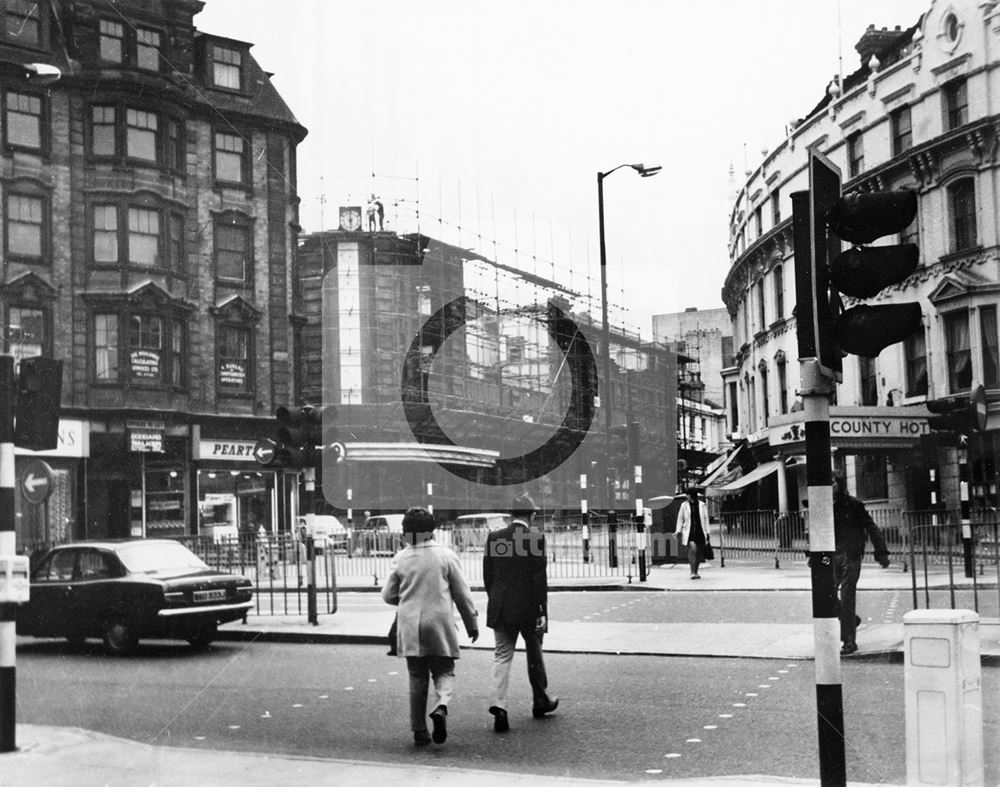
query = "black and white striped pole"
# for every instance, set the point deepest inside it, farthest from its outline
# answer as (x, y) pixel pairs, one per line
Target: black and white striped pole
(818, 370)
(13, 568)
(963, 496)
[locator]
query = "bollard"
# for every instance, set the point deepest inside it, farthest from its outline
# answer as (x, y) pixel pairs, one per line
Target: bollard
(585, 532)
(944, 699)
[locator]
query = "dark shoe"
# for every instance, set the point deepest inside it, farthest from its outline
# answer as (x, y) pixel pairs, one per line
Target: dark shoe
(439, 716)
(500, 723)
(857, 621)
(849, 648)
(540, 710)
(695, 576)
(421, 738)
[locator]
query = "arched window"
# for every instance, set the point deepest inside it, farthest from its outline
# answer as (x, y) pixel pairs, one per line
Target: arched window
(962, 214)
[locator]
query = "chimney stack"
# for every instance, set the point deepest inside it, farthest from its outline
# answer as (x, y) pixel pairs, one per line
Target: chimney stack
(873, 42)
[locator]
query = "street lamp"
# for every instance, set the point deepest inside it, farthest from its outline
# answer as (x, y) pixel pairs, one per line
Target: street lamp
(607, 398)
(39, 73)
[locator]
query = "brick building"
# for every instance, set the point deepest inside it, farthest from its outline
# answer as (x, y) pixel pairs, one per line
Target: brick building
(149, 223)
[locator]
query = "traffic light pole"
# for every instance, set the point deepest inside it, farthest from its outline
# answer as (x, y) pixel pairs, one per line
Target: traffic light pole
(8, 547)
(816, 391)
(310, 491)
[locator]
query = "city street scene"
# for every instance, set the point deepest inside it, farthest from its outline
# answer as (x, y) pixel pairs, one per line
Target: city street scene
(533, 393)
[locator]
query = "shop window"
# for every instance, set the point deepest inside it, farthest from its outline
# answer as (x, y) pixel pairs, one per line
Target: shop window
(956, 104)
(232, 251)
(962, 206)
(112, 41)
(231, 162)
(915, 352)
(235, 349)
(26, 227)
(166, 501)
(25, 121)
(956, 327)
(869, 382)
(873, 476)
(991, 354)
(902, 130)
(25, 23)
(29, 332)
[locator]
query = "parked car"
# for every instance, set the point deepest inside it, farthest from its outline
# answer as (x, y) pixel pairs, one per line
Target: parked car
(469, 531)
(121, 591)
(378, 535)
(326, 530)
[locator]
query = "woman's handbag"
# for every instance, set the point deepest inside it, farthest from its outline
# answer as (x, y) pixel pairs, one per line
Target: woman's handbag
(709, 552)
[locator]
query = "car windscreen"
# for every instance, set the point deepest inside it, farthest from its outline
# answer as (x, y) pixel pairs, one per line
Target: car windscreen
(143, 558)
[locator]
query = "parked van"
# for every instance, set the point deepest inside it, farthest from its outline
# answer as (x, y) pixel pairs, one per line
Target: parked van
(469, 531)
(326, 530)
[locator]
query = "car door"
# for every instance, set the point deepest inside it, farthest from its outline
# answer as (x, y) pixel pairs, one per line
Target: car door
(47, 611)
(94, 592)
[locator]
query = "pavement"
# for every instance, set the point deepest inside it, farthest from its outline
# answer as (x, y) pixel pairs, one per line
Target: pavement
(82, 758)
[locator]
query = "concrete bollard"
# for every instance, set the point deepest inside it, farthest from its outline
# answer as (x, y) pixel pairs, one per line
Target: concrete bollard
(944, 698)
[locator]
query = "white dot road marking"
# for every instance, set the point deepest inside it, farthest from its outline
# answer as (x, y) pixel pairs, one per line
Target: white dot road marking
(725, 715)
(763, 685)
(693, 740)
(348, 688)
(373, 680)
(653, 770)
(199, 737)
(739, 704)
(393, 673)
(672, 756)
(324, 696)
(751, 694)
(773, 678)
(782, 672)
(297, 705)
(234, 726)
(711, 727)
(266, 715)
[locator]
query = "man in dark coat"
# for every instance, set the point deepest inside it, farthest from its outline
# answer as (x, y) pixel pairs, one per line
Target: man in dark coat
(852, 528)
(514, 566)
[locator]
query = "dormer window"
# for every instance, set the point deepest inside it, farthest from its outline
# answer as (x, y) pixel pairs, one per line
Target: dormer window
(227, 68)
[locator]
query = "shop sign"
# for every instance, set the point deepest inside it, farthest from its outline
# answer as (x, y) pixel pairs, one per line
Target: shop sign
(74, 441)
(145, 441)
(225, 450)
(233, 374)
(145, 364)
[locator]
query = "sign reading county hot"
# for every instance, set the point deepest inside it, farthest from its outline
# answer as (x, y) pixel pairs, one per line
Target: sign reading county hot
(899, 426)
(450, 398)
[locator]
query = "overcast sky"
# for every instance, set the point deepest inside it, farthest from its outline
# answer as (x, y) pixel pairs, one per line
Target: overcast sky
(493, 119)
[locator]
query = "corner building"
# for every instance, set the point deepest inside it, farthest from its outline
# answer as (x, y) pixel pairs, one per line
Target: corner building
(920, 113)
(150, 218)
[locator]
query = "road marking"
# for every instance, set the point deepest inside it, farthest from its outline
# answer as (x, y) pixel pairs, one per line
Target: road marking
(773, 678)
(297, 705)
(693, 740)
(653, 770)
(324, 696)
(394, 672)
(739, 704)
(711, 727)
(782, 672)
(725, 715)
(673, 755)
(763, 685)
(266, 715)
(199, 737)
(373, 680)
(348, 688)
(234, 726)
(751, 694)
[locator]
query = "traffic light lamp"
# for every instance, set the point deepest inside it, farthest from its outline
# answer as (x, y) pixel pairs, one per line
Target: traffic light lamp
(299, 439)
(36, 413)
(959, 416)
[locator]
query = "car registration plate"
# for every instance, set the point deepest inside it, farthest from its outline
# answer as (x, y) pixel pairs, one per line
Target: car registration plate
(209, 595)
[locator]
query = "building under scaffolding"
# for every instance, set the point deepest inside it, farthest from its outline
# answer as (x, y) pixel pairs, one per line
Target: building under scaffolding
(459, 381)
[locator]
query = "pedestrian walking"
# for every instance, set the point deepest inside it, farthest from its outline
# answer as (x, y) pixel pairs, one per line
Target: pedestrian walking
(514, 567)
(853, 526)
(692, 525)
(425, 584)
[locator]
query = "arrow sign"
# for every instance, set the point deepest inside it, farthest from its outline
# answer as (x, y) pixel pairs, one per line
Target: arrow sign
(36, 483)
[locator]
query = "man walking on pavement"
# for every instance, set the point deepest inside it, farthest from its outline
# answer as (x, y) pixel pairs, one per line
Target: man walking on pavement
(852, 527)
(514, 567)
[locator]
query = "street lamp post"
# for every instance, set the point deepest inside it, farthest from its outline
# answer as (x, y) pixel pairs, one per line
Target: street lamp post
(607, 398)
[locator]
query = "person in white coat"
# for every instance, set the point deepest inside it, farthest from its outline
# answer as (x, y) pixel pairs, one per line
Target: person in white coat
(426, 583)
(692, 525)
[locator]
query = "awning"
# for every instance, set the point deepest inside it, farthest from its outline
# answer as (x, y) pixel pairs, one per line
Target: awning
(720, 467)
(755, 475)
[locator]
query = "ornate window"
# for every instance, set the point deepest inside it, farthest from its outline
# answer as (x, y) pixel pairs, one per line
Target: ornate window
(235, 342)
(28, 303)
(139, 339)
(779, 292)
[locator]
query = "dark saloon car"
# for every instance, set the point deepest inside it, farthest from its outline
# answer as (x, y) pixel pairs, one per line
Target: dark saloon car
(122, 591)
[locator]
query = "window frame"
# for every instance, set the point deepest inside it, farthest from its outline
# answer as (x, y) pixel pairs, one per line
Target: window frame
(246, 178)
(779, 292)
(45, 226)
(45, 313)
(855, 154)
(44, 123)
(245, 226)
(172, 362)
(963, 224)
(989, 346)
(954, 353)
(867, 382)
(169, 151)
(902, 139)
(956, 103)
(104, 36)
(223, 330)
(213, 62)
(44, 23)
(915, 377)
(122, 209)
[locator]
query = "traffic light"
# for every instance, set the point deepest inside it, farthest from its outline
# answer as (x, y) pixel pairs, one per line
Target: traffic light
(298, 441)
(957, 415)
(39, 390)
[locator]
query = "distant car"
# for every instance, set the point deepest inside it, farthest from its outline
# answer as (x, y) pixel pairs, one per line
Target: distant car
(378, 535)
(121, 591)
(326, 531)
(469, 531)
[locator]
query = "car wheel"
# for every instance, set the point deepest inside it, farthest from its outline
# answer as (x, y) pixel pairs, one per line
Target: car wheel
(204, 635)
(119, 636)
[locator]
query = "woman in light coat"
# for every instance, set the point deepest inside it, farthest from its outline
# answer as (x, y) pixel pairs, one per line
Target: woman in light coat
(692, 525)
(425, 584)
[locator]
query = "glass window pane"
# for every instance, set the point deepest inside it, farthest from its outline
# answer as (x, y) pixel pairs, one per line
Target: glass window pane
(140, 139)
(102, 131)
(991, 356)
(106, 347)
(24, 225)
(24, 120)
(231, 252)
(22, 22)
(956, 327)
(143, 237)
(112, 34)
(147, 49)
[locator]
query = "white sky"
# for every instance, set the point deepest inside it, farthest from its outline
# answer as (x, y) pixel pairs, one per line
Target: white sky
(497, 116)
